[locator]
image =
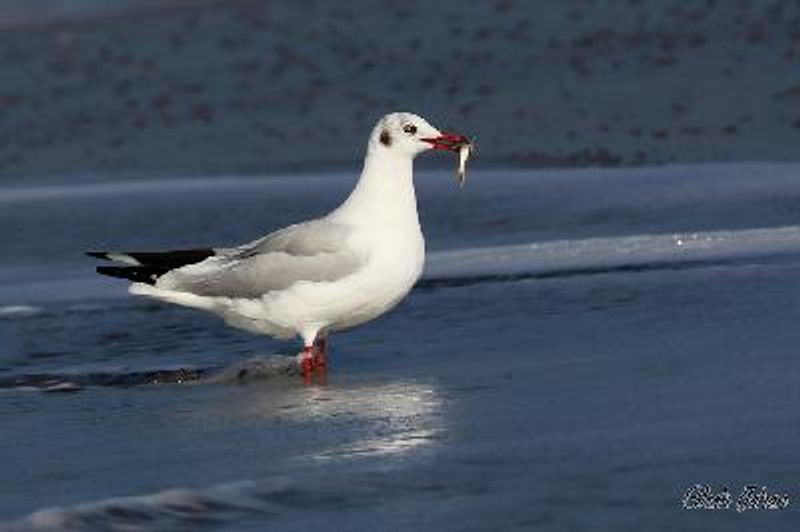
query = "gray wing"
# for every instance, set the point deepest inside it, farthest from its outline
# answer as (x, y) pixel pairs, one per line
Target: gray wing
(318, 250)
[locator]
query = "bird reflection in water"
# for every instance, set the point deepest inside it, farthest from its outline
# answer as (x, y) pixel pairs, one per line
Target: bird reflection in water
(361, 419)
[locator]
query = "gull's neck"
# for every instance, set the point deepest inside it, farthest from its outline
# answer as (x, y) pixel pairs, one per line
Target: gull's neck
(385, 192)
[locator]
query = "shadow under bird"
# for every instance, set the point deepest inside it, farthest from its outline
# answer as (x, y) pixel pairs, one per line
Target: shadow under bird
(316, 277)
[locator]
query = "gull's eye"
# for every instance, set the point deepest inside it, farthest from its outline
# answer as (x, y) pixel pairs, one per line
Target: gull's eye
(410, 129)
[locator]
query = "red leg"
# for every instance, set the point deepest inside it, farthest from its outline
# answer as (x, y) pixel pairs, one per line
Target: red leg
(307, 361)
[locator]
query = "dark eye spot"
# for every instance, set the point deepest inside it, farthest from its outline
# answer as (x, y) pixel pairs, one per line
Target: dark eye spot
(410, 129)
(386, 138)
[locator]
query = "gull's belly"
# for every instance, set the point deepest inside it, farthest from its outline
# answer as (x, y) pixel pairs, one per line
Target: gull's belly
(387, 276)
(321, 306)
(386, 279)
(373, 292)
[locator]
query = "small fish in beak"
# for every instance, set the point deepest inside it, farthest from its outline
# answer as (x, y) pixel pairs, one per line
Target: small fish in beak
(464, 153)
(455, 143)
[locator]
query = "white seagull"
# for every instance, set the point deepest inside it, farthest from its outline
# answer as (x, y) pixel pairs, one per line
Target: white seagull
(312, 278)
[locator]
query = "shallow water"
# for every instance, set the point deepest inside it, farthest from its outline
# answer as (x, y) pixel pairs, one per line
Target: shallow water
(630, 334)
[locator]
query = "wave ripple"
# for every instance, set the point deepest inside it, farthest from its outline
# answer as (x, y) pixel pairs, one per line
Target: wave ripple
(253, 368)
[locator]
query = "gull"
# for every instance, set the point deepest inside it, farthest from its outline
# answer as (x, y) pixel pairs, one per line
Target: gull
(312, 278)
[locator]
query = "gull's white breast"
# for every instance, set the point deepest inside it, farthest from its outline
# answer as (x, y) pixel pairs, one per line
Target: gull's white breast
(393, 261)
(388, 277)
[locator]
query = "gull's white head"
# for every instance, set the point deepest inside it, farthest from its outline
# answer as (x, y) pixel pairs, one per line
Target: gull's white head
(409, 134)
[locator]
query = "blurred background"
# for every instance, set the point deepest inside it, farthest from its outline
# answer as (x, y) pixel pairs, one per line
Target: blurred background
(208, 87)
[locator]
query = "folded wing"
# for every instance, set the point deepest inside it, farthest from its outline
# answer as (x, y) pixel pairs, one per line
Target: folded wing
(317, 251)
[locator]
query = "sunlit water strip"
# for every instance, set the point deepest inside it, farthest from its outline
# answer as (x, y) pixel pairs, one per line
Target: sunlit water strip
(594, 255)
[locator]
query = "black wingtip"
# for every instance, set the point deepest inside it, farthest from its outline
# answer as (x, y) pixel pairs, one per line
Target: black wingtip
(137, 274)
(146, 267)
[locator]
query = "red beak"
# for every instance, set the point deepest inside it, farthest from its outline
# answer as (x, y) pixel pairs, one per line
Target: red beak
(447, 141)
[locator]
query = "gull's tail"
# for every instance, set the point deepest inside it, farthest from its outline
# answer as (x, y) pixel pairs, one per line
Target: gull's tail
(148, 266)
